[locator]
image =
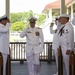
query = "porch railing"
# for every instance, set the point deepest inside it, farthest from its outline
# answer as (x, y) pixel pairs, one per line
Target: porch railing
(17, 52)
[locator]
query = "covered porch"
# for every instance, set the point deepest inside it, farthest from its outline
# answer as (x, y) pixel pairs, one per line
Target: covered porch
(22, 69)
(19, 63)
(48, 66)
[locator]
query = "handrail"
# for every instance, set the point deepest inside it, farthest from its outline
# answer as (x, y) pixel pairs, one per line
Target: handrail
(17, 52)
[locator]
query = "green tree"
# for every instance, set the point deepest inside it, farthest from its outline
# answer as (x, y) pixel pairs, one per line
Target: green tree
(21, 16)
(30, 13)
(17, 26)
(14, 17)
(41, 19)
(20, 20)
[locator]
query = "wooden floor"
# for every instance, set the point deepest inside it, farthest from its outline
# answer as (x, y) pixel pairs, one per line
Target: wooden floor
(21, 69)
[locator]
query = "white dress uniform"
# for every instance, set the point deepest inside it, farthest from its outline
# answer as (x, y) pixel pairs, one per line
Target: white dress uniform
(34, 46)
(55, 44)
(4, 43)
(66, 41)
(55, 36)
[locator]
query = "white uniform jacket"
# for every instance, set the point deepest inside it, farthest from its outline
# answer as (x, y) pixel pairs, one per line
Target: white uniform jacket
(67, 38)
(55, 37)
(4, 38)
(35, 40)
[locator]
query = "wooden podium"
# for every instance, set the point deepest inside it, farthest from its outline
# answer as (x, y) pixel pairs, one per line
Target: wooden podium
(1, 64)
(60, 62)
(72, 63)
(8, 66)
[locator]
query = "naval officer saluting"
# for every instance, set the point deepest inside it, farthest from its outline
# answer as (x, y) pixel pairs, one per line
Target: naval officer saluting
(4, 39)
(34, 46)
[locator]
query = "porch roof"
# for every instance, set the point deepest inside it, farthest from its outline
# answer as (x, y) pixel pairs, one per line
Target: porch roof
(56, 4)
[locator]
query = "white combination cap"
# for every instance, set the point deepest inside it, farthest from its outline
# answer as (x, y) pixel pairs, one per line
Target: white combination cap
(65, 15)
(32, 19)
(4, 17)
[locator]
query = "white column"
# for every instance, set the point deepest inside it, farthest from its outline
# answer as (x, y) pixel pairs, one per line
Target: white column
(67, 11)
(50, 15)
(7, 7)
(63, 7)
(46, 16)
(71, 11)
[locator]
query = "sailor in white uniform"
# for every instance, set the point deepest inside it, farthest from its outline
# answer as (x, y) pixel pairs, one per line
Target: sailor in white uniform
(4, 40)
(55, 45)
(34, 46)
(66, 39)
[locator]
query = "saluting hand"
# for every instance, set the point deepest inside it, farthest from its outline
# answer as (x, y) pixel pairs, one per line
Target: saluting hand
(52, 24)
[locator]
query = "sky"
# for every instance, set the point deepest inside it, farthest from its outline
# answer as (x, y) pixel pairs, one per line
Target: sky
(36, 6)
(25, 5)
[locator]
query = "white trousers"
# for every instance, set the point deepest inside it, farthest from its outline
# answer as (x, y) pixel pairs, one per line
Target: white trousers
(33, 63)
(4, 63)
(65, 59)
(56, 57)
